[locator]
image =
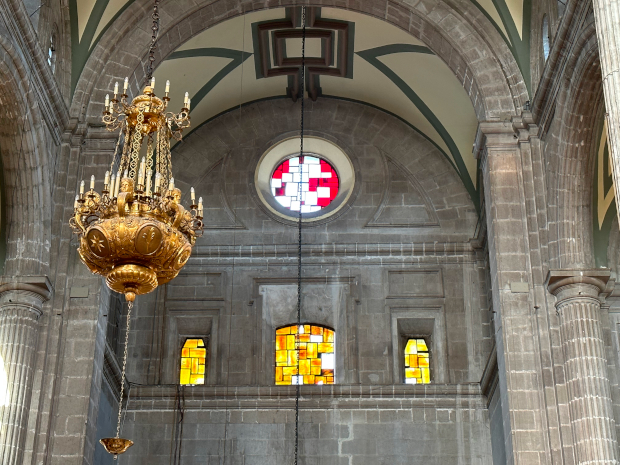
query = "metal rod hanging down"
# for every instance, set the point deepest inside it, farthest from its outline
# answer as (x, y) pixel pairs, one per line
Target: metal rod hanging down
(299, 223)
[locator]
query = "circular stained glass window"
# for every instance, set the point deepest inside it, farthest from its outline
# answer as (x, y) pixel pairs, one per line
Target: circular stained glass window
(318, 179)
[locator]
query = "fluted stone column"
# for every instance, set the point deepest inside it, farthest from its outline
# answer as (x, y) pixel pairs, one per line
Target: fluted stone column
(585, 364)
(21, 302)
(607, 16)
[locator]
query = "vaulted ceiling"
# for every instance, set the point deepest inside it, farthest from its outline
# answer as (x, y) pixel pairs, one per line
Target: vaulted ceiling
(351, 56)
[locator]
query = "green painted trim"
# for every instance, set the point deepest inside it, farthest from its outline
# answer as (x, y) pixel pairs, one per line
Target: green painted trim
(490, 18)
(600, 237)
(520, 46)
(107, 26)
(396, 48)
(81, 49)
(237, 57)
(257, 64)
(236, 107)
(371, 56)
(401, 119)
(608, 180)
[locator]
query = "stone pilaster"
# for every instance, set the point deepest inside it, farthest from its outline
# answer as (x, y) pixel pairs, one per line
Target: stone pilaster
(21, 302)
(585, 365)
(517, 285)
(607, 16)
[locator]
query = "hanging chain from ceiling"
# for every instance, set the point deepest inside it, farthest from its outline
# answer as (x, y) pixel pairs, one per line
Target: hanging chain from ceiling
(299, 223)
(155, 29)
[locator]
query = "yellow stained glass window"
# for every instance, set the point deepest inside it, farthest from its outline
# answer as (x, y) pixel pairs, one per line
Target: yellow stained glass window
(417, 362)
(305, 355)
(193, 361)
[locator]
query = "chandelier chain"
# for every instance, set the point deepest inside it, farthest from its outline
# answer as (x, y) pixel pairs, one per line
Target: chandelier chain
(120, 401)
(155, 29)
(299, 223)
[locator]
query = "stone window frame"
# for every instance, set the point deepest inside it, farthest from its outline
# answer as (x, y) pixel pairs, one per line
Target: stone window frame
(346, 354)
(185, 324)
(422, 322)
(315, 144)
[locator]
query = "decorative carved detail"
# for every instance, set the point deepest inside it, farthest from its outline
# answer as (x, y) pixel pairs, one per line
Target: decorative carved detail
(334, 60)
(217, 207)
(390, 213)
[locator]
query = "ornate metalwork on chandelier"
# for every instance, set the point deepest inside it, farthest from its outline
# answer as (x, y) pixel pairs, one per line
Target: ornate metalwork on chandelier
(136, 233)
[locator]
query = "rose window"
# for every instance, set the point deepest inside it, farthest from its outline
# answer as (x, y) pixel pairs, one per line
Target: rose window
(319, 184)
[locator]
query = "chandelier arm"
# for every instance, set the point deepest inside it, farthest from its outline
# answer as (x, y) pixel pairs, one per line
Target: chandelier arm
(78, 221)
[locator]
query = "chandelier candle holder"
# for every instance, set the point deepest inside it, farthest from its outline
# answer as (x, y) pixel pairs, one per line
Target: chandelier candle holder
(135, 232)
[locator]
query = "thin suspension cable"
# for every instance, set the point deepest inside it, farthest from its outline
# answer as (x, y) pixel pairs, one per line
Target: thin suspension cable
(234, 241)
(299, 221)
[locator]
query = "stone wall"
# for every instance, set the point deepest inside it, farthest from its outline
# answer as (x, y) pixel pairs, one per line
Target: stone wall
(372, 284)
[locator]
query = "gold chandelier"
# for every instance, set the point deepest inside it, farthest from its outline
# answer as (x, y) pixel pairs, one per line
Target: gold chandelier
(135, 232)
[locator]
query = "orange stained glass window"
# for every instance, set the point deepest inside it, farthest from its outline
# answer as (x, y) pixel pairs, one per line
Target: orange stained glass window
(193, 362)
(305, 355)
(417, 362)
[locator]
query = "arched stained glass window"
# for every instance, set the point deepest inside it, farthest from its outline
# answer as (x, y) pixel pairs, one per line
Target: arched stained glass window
(417, 362)
(193, 362)
(305, 355)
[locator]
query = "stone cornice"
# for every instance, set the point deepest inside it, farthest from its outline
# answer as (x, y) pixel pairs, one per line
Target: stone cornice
(504, 135)
(342, 396)
(44, 85)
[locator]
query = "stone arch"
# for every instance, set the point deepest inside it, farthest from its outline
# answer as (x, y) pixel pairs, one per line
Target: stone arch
(474, 51)
(572, 155)
(26, 188)
(55, 20)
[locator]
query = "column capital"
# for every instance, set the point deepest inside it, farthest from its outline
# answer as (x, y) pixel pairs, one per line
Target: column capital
(29, 291)
(566, 284)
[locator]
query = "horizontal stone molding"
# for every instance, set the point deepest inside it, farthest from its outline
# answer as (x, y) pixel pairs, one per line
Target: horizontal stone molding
(337, 250)
(163, 397)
